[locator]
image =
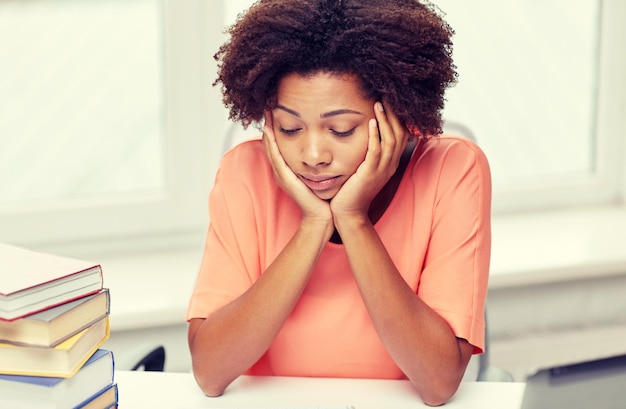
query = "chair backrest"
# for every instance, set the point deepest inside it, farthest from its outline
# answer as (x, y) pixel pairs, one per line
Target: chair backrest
(235, 134)
(486, 371)
(458, 128)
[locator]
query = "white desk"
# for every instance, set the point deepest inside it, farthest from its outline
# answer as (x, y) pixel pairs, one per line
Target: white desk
(173, 390)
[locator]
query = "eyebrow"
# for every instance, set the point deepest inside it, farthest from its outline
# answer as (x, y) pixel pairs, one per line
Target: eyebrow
(323, 115)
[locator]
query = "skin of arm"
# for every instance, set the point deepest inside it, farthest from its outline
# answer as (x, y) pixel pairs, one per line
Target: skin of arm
(232, 339)
(419, 340)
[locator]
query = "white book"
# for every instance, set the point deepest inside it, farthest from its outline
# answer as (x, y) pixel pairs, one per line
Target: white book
(32, 281)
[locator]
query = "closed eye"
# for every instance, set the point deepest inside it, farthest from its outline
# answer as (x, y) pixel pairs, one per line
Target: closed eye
(341, 134)
(288, 131)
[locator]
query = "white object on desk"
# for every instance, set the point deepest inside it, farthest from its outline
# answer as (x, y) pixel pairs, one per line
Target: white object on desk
(175, 390)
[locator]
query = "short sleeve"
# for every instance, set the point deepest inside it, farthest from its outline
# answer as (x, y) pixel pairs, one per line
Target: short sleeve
(230, 262)
(456, 267)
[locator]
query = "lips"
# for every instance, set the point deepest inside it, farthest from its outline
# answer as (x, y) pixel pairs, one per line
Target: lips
(320, 182)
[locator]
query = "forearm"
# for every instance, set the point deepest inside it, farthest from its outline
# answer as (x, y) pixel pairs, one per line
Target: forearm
(419, 340)
(232, 339)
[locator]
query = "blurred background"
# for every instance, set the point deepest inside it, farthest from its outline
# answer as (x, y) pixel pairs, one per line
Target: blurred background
(111, 133)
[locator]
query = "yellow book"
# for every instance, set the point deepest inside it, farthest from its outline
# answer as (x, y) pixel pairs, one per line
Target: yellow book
(62, 361)
(106, 398)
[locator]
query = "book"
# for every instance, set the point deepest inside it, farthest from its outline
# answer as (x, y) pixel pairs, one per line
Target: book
(36, 392)
(50, 327)
(32, 281)
(105, 399)
(62, 361)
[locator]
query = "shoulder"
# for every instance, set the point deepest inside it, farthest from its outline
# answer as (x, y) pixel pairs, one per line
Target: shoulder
(246, 153)
(450, 152)
(444, 144)
(245, 175)
(244, 161)
(244, 167)
(450, 165)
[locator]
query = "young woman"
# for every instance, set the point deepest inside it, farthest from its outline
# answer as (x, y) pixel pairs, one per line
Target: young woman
(352, 239)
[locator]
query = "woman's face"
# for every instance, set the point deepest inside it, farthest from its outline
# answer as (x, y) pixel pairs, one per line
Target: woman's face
(321, 127)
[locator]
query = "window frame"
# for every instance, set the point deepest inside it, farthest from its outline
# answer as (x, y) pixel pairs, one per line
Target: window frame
(606, 185)
(193, 118)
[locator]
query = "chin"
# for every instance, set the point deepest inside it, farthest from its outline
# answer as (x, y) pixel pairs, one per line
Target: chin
(327, 196)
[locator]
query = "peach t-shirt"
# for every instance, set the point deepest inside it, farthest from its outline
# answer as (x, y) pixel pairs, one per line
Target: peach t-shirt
(436, 230)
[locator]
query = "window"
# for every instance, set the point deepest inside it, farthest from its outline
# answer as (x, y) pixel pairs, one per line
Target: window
(111, 132)
(107, 120)
(71, 101)
(538, 85)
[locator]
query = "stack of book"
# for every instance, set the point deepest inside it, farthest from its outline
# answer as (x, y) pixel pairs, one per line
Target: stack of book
(54, 319)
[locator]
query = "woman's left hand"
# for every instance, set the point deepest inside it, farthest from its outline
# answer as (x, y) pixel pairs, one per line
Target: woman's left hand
(387, 141)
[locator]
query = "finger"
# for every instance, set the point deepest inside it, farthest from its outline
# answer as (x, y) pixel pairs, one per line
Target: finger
(268, 131)
(373, 143)
(388, 139)
(397, 131)
(271, 147)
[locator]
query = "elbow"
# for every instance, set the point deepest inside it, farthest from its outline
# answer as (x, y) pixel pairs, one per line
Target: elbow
(208, 375)
(439, 392)
(212, 383)
(211, 389)
(442, 383)
(437, 398)
(210, 386)
(435, 401)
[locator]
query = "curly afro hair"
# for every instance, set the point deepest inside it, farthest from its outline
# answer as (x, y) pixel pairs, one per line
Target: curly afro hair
(401, 50)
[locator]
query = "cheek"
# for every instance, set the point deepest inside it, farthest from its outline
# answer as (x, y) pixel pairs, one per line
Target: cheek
(287, 151)
(351, 155)
(358, 150)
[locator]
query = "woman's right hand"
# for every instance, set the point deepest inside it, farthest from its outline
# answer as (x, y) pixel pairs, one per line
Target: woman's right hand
(313, 208)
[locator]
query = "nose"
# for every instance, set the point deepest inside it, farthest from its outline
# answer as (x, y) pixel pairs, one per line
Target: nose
(315, 150)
